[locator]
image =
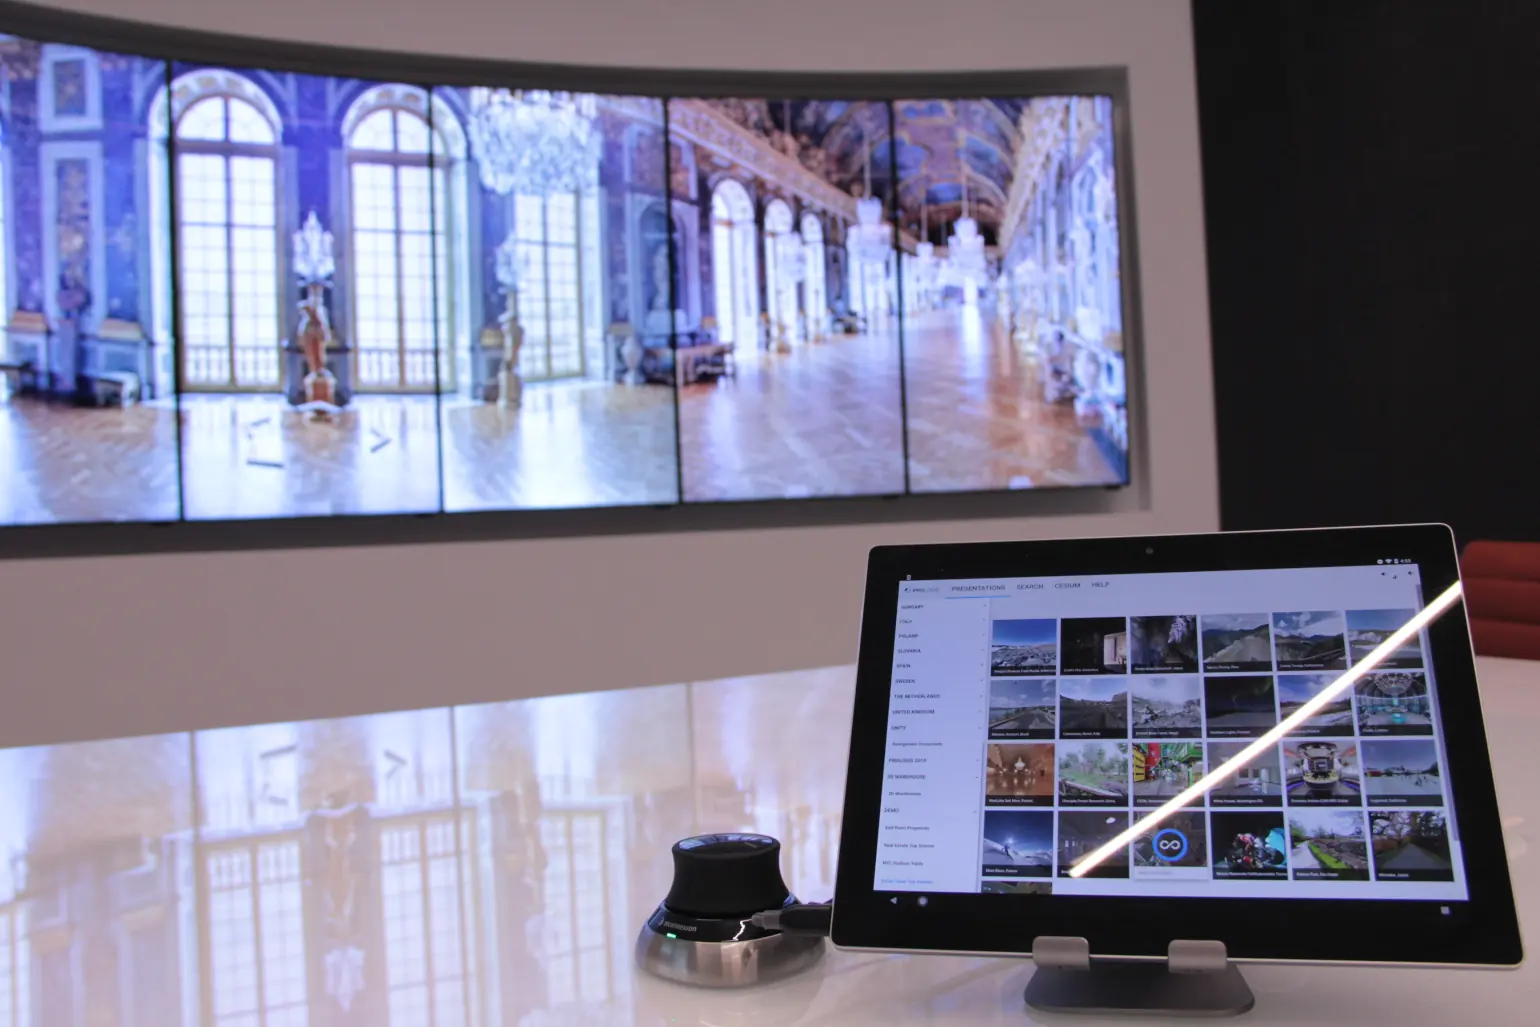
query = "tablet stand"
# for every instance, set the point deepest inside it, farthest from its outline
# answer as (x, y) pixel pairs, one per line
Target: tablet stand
(1196, 979)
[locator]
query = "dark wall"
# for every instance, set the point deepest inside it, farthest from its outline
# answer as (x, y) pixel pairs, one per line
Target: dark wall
(1370, 179)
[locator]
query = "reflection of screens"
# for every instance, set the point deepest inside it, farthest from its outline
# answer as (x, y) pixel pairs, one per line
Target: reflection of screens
(383, 822)
(1353, 805)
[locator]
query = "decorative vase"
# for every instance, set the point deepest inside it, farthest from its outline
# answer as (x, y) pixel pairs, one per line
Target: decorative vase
(631, 353)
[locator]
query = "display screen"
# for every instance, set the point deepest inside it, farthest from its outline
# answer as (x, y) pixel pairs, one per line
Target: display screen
(244, 292)
(1034, 722)
(787, 324)
(305, 391)
(567, 283)
(1013, 326)
(84, 314)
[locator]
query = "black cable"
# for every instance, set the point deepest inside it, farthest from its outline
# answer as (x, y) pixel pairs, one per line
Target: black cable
(800, 919)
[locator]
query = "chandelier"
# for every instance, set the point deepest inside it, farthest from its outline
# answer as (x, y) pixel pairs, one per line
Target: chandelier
(871, 238)
(965, 250)
(965, 247)
(925, 263)
(535, 141)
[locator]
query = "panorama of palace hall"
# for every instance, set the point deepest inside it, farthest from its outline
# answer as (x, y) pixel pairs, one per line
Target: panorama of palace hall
(367, 297)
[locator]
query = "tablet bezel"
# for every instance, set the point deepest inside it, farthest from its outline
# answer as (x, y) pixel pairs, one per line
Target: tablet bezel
(1481, 931)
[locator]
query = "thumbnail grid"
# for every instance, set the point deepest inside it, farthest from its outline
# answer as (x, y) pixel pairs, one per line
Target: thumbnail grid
(1095, 721)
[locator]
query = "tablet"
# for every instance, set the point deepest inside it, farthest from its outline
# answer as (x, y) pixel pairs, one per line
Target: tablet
(1244, 737)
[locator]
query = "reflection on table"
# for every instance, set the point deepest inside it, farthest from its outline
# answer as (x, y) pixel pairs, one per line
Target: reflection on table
(490, 865)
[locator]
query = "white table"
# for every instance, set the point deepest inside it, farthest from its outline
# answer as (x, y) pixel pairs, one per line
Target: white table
(803, 786)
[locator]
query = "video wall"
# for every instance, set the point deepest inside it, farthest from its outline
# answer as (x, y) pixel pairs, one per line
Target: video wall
(236, 293)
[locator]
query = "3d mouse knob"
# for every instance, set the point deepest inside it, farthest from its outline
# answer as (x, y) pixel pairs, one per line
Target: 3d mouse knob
(727, 875)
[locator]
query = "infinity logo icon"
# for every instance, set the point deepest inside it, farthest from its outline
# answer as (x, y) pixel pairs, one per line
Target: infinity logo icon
(1170, 845)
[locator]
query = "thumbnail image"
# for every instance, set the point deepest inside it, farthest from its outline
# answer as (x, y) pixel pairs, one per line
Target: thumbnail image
(1335, 718)
(1163, 769)
(1411, 845)
(1366, 629)
(1394, 703)
(1082, 832)
(1259, 782)
(1328, 845)
(1093, 773)
(1021, 647)
(1094, 645)
(1236, 642)
(1180, 840)
(1006, 886)
(1007, 216)
(1403, 772)
(1164, 645)
(1023, 707)
(1314, 640)
(1167, 707)
(555, 376)
(1018, 843)
(1323, 773)
(1093, 707)
(784, 313)
(322, 290)
(88, 406)
(1019, 774)
(1239, 707)
(1250, 845)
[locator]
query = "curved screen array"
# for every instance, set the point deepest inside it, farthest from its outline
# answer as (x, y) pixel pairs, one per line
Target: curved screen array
(238, 293)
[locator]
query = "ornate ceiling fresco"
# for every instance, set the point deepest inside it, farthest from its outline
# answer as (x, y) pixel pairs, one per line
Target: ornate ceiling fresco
(940, 145)
(944, 143)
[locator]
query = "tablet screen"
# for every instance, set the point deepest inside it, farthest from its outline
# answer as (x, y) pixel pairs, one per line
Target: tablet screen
(1033, 721)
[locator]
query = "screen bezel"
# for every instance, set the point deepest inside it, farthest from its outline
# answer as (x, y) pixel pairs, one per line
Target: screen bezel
(1481, 931)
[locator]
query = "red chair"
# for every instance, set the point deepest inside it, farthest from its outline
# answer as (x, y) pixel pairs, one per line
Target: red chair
(1502, 593)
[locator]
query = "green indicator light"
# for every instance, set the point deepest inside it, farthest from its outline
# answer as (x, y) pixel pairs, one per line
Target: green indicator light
(670, 934)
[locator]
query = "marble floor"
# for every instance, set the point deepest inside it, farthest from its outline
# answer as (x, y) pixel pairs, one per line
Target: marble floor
(255, 456)
(568, 445)
(63, 464)
(977, 418)
(822, 420)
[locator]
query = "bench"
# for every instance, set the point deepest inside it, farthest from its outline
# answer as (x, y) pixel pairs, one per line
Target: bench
(694, 362)
(112, 388)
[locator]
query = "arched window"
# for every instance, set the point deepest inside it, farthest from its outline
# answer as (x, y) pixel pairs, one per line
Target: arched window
(558, 245)
(227, 231)
(780, 276)
(733, 270)
(401, 264)
(814, 288)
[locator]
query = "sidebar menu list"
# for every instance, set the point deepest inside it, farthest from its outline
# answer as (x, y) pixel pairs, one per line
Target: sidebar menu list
(933, 790)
